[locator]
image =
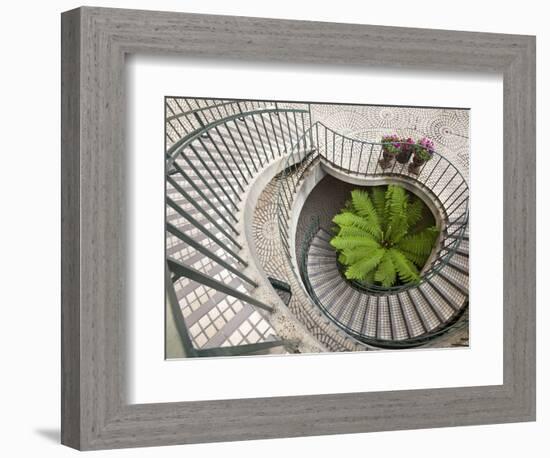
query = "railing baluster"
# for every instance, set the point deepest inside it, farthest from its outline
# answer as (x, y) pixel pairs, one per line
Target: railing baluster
(231, 154)
(447, 184)
(245, 145)
(291, 142)
(201, 227)
(377, 330)
(207, 185)
(195, 204)
(268, 137)
(297, 130)
(253, 142)
(199, 277)
(378, 161)
(368, 162)
(304, 132)
(317, 138)
(212, 174)
(260, 138)
(326, 144)
(360, 156)
(222, 156)
(456, 198)
(209, 254)
(350, 155)
(434, 167)
(458, 206)
(235, 193)
(177, 119)
(227, 112)
(333, 147)
(440, 176)
(190, 108)
(275, 135)
(237, 148)
(449, 196)
(342, 154)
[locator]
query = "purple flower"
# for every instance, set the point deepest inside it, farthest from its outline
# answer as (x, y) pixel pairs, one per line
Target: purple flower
(424, 149)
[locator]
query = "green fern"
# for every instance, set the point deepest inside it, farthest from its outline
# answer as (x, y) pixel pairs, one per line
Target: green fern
(359, 269)
(421, 243)
(364, 207)
(386, 273)
(375, 236)
(406, 270)
(378, 197)
(351, 242)
(353, 220)
(414, 214)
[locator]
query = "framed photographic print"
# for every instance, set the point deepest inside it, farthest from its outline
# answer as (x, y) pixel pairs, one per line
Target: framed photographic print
(267, 224)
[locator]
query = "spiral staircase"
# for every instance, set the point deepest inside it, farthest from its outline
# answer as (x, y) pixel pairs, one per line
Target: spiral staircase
(246, 275)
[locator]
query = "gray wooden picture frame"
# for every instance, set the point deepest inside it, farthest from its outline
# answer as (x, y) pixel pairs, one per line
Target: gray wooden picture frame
(95, 413)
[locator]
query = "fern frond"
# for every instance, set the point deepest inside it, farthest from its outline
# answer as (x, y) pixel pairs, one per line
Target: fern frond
(364, 207)
(348, 219)
(385, 273)
(396, 205)
(353, 255)
(369, 278)
(379, 202)
(397, 229)
(414, 211)
(352, 231)
(421, 243)
(342, 259)
(418, 259)
(348, 243)
(406, 270)
(348, 205)
(360, 269)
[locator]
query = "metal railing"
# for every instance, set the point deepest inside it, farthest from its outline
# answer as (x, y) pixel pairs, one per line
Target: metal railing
(208, 168)
(216, 149)
(454, 324)
(185, 115)
(438, 178)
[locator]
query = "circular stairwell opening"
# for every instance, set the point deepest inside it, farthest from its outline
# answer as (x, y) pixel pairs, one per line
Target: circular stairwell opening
(330, 223)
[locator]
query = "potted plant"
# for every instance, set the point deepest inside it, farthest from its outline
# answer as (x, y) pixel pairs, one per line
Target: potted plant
(423, 151)
(390, 149)
(406, 148)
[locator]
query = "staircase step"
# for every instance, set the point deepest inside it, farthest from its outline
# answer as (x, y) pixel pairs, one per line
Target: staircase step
(416, 324)
(397, 317)
(384, 323)
(429, 308)
(449, 304)
(454, 282)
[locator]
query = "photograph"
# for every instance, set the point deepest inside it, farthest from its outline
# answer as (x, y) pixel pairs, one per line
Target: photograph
(249, 229)
(298, 227)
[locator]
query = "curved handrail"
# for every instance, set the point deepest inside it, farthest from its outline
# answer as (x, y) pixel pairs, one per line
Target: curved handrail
(212, 190)
(178, 146)
(453, 323)
(445, 253)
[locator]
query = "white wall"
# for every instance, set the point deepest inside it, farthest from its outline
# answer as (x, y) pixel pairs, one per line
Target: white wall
(29, 229)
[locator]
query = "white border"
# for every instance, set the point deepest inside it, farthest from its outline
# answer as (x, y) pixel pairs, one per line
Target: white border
(154, 380)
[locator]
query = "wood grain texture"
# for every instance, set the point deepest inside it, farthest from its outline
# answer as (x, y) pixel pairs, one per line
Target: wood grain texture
(95, 413)
(70, 229)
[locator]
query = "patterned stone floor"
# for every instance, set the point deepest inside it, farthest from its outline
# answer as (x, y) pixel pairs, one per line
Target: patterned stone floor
(448, 128)
(274, 263)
